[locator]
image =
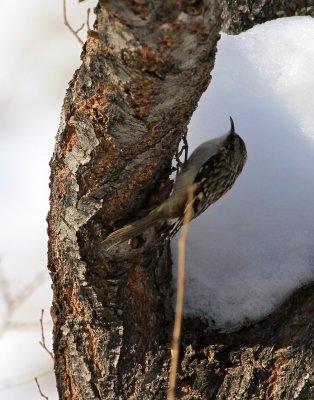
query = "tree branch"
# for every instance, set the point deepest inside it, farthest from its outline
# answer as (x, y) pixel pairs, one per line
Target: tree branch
(68, 25)
(43, 340)
(124, 113)
(180, 299)
(39, 389)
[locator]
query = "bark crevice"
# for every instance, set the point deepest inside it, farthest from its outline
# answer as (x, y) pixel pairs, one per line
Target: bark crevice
(127, 107)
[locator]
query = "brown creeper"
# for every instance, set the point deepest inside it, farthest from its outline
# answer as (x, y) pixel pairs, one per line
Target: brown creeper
(210, 172)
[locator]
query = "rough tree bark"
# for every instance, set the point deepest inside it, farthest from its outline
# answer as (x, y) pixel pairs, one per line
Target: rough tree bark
(144, 68)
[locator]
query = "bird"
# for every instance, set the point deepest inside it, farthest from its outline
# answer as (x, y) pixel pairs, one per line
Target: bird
(208, 174)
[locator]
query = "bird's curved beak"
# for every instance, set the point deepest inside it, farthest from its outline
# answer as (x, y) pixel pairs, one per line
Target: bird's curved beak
(232, 126)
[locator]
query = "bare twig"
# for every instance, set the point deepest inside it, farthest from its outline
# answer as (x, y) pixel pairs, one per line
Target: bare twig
(180, 297)
(42, 342)
(67, 24)
(39, 389)
(87, 20)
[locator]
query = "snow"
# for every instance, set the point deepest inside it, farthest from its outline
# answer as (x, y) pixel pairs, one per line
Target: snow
(245, 255)
(254, 247)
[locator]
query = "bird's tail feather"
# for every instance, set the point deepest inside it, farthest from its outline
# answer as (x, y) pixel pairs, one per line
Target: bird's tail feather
(132, 230)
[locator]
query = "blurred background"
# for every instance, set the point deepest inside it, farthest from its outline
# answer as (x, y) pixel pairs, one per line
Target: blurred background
(263, 227)
(39, 56)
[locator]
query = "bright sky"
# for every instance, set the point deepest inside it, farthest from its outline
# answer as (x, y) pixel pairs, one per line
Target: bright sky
(246, 253)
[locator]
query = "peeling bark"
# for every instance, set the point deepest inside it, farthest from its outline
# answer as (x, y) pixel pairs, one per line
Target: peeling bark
(143, 71)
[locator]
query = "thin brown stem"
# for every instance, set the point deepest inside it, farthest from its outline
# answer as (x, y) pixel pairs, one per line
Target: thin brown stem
(87, 20)
(67, 24)
(42, 342)
(40, 391)
(179, 301)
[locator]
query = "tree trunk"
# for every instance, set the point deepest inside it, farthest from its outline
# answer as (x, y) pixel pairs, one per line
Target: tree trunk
(144, 68)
